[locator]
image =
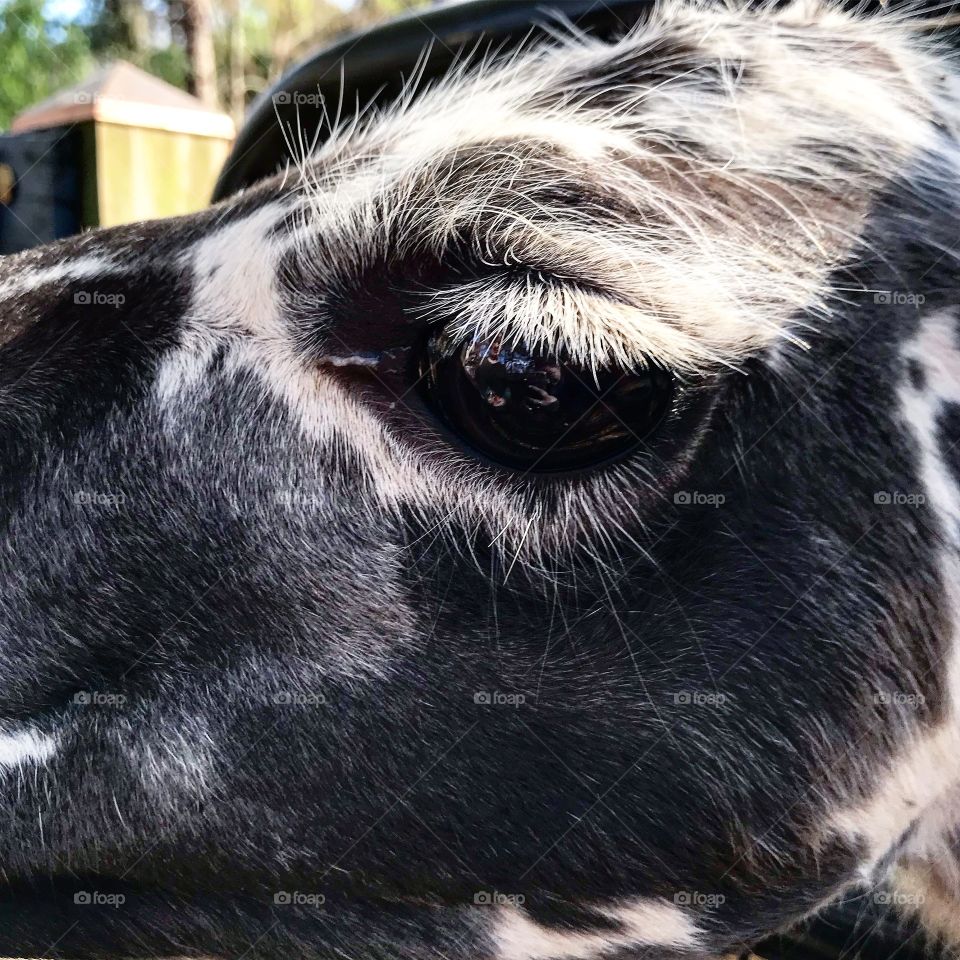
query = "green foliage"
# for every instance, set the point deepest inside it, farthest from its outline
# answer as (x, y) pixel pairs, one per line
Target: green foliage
(169, 63)
(255, 41)
(38, 56)
(140, 32)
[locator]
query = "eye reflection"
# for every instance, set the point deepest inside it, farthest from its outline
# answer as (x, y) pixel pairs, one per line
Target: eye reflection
(532, 411)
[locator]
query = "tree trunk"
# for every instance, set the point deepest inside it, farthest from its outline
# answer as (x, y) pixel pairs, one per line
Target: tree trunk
(198, 32)
(238, 66)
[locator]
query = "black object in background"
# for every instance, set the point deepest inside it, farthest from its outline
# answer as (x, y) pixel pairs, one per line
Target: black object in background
(372, 66)
(40, 185)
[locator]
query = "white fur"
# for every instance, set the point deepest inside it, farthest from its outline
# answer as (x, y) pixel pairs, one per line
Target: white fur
(82, 268)
(921, 787)
(24, 747)
(645, 923)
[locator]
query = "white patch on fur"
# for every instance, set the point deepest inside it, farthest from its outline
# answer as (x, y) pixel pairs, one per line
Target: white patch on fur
(645, 923)
(185, 367)
(82, 268)
(235, 276)
(234, 299)
(25, 747)
(175, 760)
(922, 786)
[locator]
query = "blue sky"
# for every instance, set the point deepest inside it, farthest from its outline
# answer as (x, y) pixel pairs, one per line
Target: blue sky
(67, 10)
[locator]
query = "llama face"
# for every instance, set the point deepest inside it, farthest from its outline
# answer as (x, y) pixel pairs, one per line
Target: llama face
(528, 532)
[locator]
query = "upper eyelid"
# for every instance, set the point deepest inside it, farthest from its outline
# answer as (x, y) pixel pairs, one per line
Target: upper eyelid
(508, 278)
(516, 306)
(514, 274)
(438, 303)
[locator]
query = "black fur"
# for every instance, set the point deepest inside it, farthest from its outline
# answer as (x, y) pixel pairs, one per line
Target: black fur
(295, 674)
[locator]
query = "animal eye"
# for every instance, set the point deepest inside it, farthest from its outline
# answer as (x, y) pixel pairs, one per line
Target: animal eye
(534, 412)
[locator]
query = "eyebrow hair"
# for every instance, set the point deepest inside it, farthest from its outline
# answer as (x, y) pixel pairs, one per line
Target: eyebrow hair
(675, 216)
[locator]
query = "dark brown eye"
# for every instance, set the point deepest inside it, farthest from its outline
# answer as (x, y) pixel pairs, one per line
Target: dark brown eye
(539, 413)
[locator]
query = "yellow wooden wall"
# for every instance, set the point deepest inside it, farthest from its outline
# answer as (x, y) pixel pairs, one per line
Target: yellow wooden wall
(144, 173)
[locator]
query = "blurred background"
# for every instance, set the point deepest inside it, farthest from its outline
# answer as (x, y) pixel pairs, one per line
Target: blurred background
(113, 111)
(223, 52)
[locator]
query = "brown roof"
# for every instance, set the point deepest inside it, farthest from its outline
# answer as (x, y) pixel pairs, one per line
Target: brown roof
(125, 94)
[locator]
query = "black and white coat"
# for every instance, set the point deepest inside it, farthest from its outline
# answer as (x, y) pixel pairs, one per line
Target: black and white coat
(286, 670)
